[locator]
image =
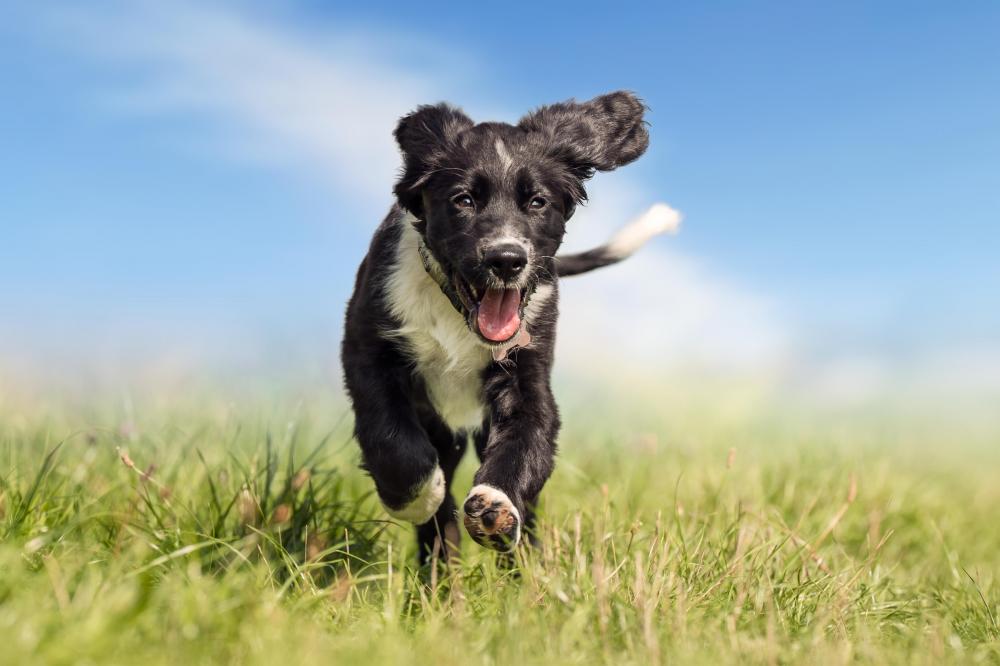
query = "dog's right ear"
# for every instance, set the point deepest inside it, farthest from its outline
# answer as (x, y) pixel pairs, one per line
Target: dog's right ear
(423, 137)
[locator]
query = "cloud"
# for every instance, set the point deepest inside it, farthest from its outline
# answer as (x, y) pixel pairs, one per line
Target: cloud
(329, 100)
(661, 308)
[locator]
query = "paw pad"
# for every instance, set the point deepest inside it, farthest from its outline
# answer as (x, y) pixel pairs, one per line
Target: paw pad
(491, 518)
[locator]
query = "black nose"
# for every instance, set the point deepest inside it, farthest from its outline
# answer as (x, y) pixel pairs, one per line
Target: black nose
(505, 260)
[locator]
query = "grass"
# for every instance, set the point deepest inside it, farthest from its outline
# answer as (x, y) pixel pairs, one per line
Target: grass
(202, 531)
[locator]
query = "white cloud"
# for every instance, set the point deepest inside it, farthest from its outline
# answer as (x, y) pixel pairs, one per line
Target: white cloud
(331, 103)
(278, 94)
(661, 306)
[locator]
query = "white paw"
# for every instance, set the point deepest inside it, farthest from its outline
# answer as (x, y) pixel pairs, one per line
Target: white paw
(491, 518)
(425, 503)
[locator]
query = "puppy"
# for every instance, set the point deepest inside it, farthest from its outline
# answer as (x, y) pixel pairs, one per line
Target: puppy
(451, 327)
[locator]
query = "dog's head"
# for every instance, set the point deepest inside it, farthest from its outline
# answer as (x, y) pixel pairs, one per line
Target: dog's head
(492, 200)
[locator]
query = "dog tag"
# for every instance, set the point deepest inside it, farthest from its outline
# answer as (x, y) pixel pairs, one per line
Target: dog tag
(523, 339)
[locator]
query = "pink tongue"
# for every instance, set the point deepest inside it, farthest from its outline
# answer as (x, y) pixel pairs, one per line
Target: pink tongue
(498, 316)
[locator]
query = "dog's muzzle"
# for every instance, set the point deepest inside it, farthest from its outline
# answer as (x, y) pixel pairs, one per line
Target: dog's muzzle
(494, 312)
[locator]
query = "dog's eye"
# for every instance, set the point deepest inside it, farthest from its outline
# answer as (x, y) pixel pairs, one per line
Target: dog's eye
(537, 203)
(463, 201)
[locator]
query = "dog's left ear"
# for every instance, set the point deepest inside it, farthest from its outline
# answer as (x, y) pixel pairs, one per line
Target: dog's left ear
(600, 135)
(423, 137)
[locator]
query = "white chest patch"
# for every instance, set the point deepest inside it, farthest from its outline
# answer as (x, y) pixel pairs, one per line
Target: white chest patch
(446, 353)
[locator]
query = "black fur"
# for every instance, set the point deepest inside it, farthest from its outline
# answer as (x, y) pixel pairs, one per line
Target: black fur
(469, 188)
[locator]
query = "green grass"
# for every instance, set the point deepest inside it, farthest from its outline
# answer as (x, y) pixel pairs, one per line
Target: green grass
(201, 531)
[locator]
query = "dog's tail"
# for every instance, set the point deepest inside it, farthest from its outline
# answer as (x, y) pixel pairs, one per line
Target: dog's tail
(659, 219)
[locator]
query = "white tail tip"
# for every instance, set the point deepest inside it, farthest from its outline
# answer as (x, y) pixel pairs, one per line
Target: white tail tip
(658, 219)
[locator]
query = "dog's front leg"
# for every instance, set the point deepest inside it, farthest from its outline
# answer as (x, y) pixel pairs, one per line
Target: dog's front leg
(395, 448)
(518, 455)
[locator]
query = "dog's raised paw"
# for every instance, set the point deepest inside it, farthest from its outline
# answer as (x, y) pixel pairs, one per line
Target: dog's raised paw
(491, 518)
(425, 498)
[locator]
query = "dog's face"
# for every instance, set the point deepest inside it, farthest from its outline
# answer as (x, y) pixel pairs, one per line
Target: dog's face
(492, 200)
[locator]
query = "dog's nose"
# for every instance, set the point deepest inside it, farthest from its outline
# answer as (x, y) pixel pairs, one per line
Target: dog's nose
(505, 260)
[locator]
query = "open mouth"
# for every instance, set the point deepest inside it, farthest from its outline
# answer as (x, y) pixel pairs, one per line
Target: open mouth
(494, 313)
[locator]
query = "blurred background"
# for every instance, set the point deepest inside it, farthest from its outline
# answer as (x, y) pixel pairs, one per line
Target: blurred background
(186, 189)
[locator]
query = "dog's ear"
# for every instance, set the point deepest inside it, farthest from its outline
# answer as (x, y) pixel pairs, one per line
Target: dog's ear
(600, 135)
(423, 136)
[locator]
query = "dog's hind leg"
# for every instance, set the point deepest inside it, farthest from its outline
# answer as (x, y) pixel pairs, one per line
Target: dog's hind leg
(440, 534)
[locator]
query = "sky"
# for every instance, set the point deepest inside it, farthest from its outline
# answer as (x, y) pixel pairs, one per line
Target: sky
(200, 180)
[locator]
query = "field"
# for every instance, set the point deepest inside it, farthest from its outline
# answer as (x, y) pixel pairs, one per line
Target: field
(207, 530)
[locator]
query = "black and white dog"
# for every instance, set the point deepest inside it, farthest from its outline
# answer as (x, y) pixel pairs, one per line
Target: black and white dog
(451, 328)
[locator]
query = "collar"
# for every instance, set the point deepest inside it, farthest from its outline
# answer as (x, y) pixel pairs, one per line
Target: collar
(434, 269)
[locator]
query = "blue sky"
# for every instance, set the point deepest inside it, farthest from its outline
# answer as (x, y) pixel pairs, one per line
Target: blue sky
(174, 169)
